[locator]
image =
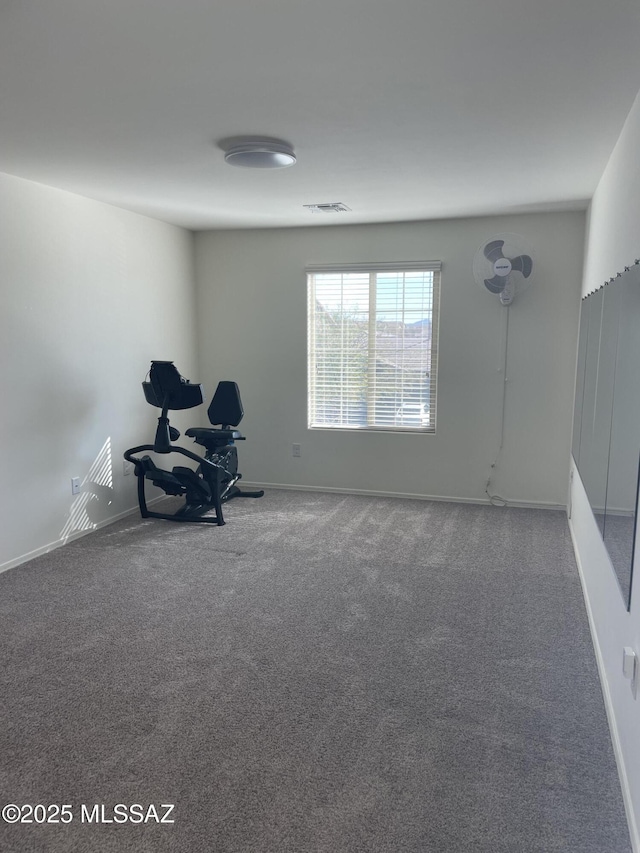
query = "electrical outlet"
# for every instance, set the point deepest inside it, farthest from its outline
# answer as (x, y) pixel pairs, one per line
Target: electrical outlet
(75, 485)
(127, 467)
(296, 450)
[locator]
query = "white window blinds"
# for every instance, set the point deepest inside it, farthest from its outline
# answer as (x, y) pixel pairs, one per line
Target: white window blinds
(373, 344)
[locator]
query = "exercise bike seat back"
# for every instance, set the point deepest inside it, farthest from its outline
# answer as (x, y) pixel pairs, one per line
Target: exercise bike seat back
(226, 406)
(225, 409)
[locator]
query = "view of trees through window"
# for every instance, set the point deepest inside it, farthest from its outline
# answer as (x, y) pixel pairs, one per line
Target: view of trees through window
(372, 349)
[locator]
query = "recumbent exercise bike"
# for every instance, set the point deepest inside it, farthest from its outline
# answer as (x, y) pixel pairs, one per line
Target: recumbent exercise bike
(214, 481)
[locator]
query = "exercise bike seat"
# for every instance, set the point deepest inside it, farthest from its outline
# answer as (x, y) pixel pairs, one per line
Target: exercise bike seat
(201, 434)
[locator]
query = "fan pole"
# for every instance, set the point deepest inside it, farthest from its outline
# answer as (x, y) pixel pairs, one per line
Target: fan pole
(504, 379)
(497, 500)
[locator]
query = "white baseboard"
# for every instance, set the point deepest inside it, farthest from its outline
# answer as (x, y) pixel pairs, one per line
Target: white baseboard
(409, 495)
(77, 534)
(608, 704)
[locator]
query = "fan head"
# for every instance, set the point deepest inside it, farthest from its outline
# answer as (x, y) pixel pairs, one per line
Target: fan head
(503, 266)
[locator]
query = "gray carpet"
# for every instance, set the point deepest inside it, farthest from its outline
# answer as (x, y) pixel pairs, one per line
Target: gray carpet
(324, 674)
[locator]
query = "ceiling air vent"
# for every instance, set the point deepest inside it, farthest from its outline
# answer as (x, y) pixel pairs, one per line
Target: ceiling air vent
(329, 207)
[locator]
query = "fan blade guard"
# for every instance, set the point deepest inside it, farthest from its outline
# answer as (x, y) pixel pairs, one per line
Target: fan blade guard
(503, 265)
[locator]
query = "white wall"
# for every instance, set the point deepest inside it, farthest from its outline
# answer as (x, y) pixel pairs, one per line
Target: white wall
(613, 242)
(90, 294)
(252, 328)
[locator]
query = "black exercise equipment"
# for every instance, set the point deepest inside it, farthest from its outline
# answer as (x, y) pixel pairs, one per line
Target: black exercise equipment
(214, 481)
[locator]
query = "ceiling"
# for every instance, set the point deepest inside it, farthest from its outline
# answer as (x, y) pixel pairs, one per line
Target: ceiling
(400, 109)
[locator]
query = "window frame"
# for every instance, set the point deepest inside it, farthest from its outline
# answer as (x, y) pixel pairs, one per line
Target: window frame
(372, 270)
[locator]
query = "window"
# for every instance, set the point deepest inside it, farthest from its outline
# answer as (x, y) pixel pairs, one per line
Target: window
(373, 343)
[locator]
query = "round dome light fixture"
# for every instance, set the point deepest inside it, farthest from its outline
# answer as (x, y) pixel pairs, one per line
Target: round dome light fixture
(260, 153)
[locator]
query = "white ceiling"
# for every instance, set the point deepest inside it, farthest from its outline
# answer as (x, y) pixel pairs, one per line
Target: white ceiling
(401, 109)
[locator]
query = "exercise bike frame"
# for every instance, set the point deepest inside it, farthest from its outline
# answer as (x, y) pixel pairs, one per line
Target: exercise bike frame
(213, 482)
(188, 512)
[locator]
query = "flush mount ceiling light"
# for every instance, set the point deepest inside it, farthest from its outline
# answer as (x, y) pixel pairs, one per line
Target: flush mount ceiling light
(260, 153)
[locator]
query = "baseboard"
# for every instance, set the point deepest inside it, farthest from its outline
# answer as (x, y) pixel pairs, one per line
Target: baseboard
(409, 495)
(608, 704)
(78, 534)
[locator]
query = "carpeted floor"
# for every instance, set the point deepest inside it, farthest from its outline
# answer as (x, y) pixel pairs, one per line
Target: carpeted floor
(324, 674)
